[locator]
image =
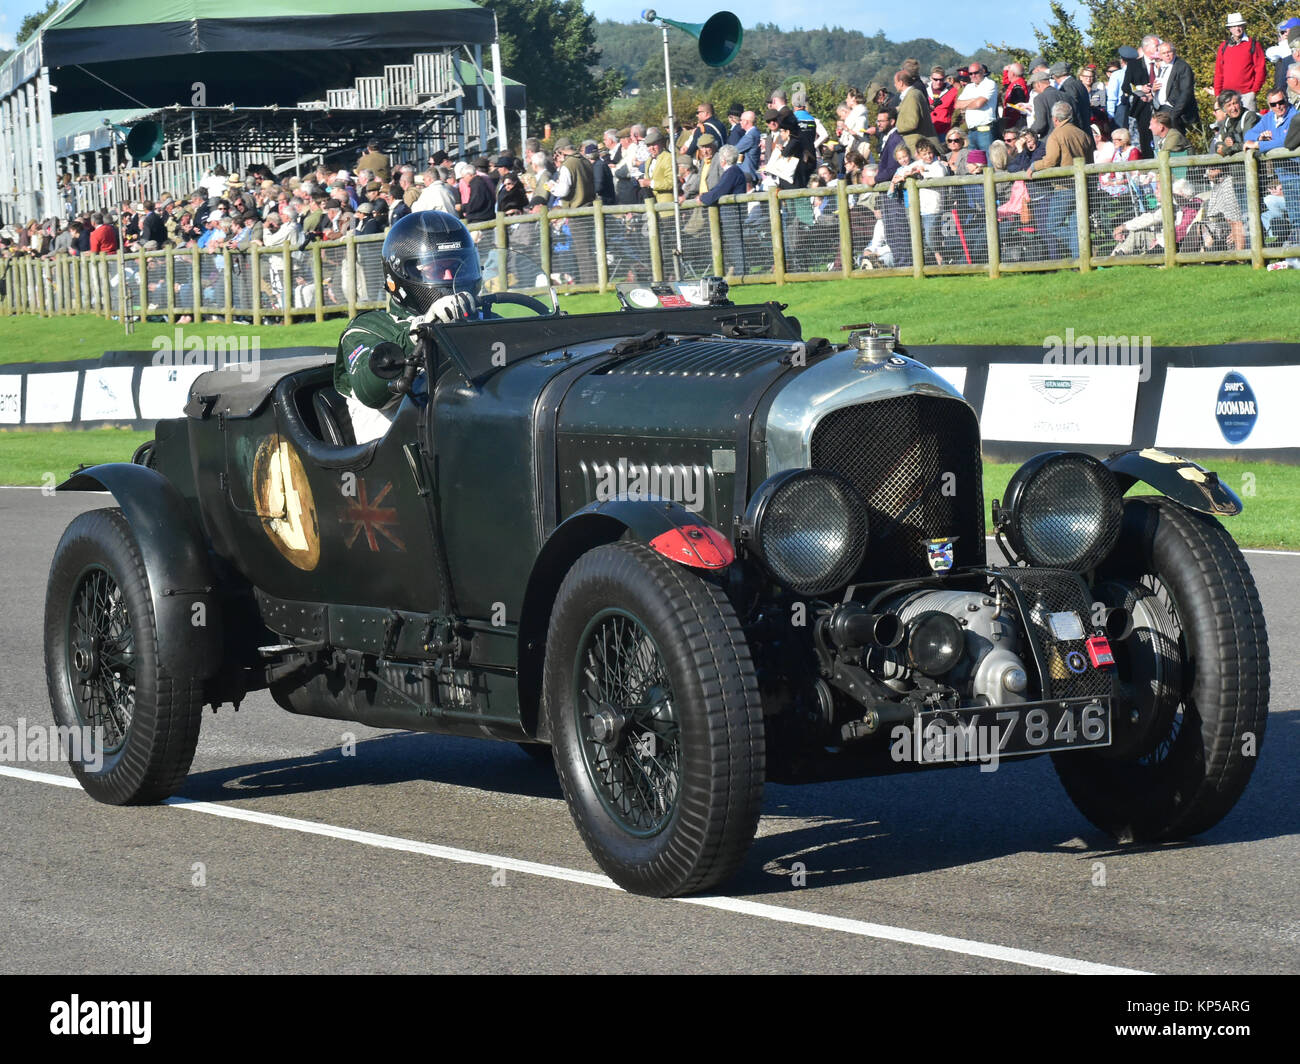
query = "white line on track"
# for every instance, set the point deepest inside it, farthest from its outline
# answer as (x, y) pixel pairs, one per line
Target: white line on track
(776, 913)
(39, 487)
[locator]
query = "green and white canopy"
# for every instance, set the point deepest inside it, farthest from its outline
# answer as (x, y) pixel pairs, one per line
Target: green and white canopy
(153, 53)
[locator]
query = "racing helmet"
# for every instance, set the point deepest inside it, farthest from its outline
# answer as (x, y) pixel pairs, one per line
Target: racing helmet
(427, 255)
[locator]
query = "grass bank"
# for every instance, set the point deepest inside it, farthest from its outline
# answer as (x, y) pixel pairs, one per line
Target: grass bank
(1189, 305)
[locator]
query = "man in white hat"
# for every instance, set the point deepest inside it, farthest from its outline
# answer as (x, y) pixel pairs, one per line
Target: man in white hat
(1239, 63)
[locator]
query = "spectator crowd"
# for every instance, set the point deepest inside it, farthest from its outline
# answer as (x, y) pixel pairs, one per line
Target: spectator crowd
(957, 121)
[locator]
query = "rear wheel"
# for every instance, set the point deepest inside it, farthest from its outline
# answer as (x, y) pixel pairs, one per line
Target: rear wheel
(1194, 679)
(137, 727)
(656, 722)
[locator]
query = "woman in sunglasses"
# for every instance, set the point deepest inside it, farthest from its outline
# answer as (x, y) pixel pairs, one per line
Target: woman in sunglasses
(955, 141)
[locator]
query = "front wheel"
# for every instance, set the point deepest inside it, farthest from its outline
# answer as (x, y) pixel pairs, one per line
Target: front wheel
(1193, 680)
(135, 726)
(655, 717)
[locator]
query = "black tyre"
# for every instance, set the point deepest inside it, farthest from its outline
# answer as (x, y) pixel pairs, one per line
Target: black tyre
(102, 670)
(1194, 680)
(655, 719)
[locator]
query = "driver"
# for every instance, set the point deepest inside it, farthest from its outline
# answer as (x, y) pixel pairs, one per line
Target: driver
(431, 271)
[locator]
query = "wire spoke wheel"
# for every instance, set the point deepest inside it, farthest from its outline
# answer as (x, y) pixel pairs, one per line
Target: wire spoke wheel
(651, 706)
(138, 722)
(627, 722)
(101, 658)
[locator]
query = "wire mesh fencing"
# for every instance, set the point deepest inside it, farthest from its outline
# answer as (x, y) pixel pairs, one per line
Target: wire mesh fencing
(747, 248)
(812, 233)
(627, 246)
(370, 271)
(333, 290)
(524, 265)
(572, 247)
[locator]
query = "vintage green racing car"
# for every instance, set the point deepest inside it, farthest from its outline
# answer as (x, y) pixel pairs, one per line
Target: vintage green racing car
(682, 549)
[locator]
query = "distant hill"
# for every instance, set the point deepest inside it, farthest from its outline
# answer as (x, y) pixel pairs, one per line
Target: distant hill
(847, 56)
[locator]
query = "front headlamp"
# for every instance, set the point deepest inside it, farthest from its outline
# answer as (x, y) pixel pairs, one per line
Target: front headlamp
(1062, 511)
(808, 529)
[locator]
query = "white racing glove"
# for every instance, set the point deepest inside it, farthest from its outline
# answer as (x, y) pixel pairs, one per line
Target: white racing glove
(456, 307)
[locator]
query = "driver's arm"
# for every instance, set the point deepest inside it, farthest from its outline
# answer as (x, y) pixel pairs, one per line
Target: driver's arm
(352, 374)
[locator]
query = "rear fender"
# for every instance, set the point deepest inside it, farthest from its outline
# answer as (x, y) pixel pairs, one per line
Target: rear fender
(667, 527)
(190, 639)
(1182, 480)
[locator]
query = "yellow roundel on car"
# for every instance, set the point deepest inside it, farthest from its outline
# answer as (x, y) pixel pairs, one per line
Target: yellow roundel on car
(285, 504)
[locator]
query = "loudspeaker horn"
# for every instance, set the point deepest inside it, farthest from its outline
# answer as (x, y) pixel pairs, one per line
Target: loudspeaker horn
(144, 140)
(719, 38)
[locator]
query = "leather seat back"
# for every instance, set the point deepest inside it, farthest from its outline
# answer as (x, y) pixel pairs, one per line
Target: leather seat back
(333, 417)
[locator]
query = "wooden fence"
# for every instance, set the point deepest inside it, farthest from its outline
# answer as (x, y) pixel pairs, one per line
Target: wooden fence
(1173, 211)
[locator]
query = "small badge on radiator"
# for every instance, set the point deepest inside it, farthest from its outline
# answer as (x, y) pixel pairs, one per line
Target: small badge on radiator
(939, 553)
(1076, 662)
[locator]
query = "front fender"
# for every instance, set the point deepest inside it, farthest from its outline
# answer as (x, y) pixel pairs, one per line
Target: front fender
(667, 527)
(671, 529)
(1182, 480)
(176, 563)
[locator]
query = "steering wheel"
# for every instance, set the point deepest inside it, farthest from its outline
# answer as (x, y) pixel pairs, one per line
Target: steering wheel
(518, 299)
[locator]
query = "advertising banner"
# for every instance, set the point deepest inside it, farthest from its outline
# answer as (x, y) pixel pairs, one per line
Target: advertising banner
(106, 395)
(51, 397)
(1067, 405)
(1251, 408)
(11, 398)
(163, 390)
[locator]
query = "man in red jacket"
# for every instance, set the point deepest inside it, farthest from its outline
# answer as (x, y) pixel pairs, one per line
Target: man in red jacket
(104, 236)
(941, 96)
(1239, 63)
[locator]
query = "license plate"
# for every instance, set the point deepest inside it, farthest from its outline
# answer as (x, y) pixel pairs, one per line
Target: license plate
(955, 735)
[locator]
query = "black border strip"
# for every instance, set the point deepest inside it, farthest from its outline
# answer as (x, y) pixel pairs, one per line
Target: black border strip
(350, 31)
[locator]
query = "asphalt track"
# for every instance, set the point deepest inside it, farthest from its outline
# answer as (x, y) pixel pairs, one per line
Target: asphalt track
(431, 854)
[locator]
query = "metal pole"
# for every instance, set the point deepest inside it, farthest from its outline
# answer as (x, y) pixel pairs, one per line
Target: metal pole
(672, 148)
(297, 156)
(49, 177)
(482, 100)
(6, 161)
(34, 148)
(500, 74)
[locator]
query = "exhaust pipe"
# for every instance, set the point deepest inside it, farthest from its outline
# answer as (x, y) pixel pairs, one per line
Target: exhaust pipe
(1117, 623)
(851, 624)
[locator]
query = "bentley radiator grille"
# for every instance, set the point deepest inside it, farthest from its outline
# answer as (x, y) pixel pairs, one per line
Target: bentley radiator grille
(916, 460)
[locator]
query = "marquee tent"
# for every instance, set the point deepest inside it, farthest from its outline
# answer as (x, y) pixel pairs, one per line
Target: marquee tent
(95, 54)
